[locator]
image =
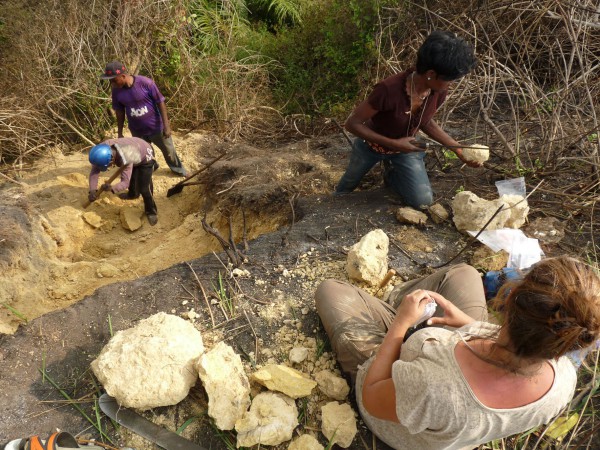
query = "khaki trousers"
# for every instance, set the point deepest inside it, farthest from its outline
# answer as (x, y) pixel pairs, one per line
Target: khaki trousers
(357, 322)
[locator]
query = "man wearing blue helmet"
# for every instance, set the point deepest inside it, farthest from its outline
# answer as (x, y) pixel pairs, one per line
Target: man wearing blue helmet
(137, 156)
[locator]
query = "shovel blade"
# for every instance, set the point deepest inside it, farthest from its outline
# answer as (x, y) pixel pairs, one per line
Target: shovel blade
(175, 190)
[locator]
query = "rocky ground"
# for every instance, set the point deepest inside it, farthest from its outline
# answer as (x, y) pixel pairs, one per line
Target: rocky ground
(69, 286)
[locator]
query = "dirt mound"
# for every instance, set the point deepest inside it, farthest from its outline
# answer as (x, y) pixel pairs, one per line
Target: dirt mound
(55, 252)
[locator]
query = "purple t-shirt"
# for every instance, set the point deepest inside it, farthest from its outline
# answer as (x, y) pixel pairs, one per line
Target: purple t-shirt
(140, 103)
(131, 151)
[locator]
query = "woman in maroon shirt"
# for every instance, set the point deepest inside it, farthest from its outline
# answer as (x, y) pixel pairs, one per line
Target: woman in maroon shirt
(385, 124)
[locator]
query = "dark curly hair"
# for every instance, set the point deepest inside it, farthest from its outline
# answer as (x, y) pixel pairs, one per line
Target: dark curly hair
(553, 310)
(448, 55)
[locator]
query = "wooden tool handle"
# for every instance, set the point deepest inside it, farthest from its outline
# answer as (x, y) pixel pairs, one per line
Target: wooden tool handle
(110, 180)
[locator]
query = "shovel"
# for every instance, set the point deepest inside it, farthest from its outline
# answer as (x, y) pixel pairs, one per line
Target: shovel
(176, 189)
(110, 180)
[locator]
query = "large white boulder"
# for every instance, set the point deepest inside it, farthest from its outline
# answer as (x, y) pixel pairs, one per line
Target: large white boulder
(471, 213)
(151, 364)
(271, 420)
(368, 259)
(226, 385)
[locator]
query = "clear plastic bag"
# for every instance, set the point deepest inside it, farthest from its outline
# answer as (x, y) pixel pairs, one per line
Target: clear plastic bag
(513, 186)
(429, 311)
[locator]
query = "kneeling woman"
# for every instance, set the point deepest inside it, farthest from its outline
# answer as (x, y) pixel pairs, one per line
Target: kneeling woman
(471, 381)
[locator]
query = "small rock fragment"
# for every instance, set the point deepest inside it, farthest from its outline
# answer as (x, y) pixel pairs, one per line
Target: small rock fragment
(331, 385)
(339, 423)
(477, 152)
(411, 216)
(438, 213)
(305, 442)
(106, 270)
(285, 379)
(271, 420)
(131, 218)
(93, 219)
(298, 354)
(226, 384)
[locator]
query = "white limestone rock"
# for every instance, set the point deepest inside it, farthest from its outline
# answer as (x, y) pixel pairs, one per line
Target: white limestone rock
(305, 442)
(331, 385)
(285, 379)
(298, 354)
(471, 213)
(367, 259)
(411, 216)
(518, 211)
(271, 420)
(477, 152)
(338, 423)
(151, 364)
(226, 385)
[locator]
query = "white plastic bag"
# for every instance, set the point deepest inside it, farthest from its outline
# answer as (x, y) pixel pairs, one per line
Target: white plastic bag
(513, 186)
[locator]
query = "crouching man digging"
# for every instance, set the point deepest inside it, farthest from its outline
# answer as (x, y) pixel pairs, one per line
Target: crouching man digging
(136, 156)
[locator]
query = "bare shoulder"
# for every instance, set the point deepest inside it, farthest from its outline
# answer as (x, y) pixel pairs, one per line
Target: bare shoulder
(495, 387)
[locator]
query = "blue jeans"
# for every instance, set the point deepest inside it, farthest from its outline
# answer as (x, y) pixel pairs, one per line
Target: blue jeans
(407, 175)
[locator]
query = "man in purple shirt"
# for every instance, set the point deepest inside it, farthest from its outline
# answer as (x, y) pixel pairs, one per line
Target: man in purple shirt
(137, 156)
(139, 99)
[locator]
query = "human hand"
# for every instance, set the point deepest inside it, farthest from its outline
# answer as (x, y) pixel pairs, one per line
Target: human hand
(92, 196)
(453, 317)
(469, 163)
(412, 307)
(106, 187)
(167, 132)
(406, 145)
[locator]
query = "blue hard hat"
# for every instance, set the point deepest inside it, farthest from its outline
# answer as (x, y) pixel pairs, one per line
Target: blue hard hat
(101, 155)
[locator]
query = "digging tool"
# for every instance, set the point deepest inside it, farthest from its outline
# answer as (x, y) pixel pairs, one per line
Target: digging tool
(112, 178)
(142, 426)
(176, 189)
(429, 145)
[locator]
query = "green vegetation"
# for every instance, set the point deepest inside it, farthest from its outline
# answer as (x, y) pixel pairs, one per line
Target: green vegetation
(322, 61)
(15, 312)
(225, 300)
(96, 422)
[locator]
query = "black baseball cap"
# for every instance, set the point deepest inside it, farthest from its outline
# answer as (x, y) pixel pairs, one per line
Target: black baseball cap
(112, 70)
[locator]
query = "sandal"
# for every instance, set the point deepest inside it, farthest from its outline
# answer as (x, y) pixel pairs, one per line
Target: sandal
(56, 441)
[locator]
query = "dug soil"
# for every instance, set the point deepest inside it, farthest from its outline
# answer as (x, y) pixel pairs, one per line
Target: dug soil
(66, 285)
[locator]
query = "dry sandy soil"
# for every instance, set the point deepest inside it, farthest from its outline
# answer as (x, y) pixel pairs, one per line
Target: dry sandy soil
(66, 286)
(52, 257)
